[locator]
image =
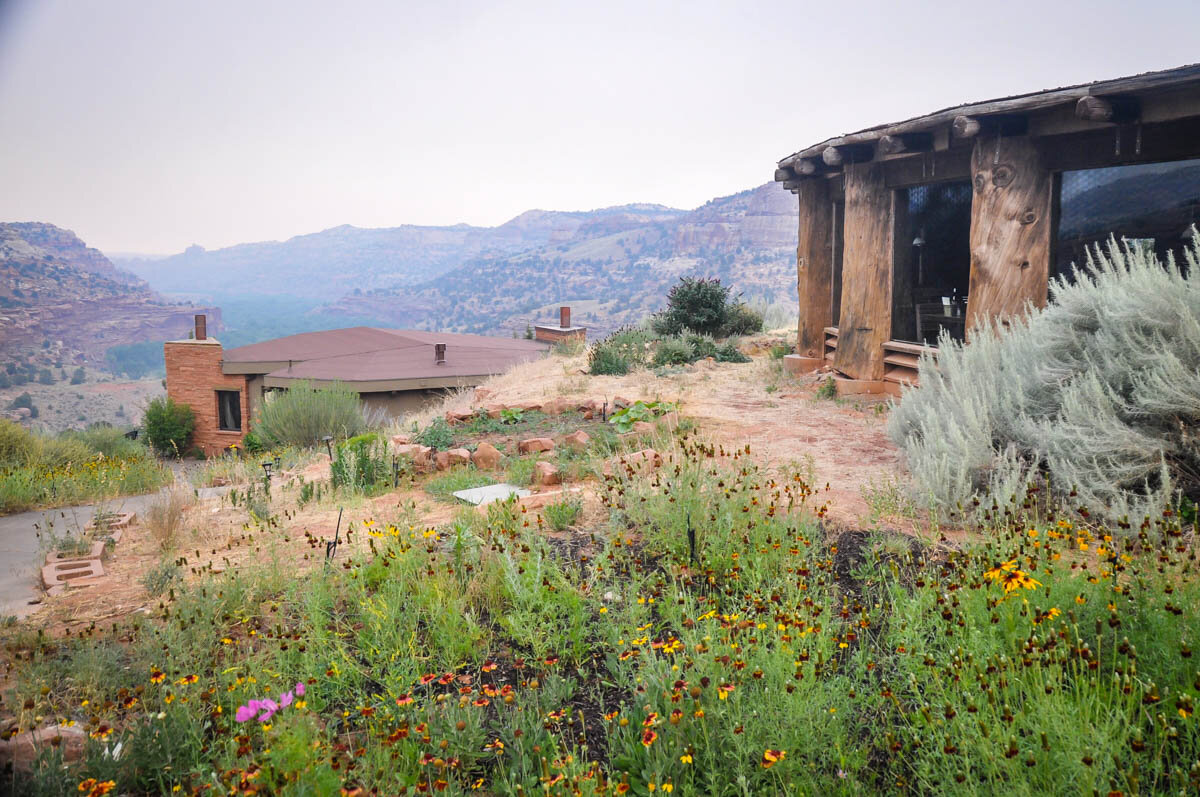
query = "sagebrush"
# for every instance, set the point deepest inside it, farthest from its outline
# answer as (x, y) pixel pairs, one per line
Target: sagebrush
(1098, 393)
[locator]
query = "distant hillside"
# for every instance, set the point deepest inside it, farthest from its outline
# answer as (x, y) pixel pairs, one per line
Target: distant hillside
(346, 259)
(612, 278)
(64, 303)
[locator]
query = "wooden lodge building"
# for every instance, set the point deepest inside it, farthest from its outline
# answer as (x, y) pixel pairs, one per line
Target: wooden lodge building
(962, 216)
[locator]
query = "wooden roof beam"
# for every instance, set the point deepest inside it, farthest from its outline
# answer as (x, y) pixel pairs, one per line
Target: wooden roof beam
(1112, 110)
(836, 156)
(904, 143)
(1001, 124)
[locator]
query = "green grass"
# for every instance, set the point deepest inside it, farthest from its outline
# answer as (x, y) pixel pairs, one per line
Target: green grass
(708, 638)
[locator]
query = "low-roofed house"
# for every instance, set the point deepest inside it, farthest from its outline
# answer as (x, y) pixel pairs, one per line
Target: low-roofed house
(396, 370)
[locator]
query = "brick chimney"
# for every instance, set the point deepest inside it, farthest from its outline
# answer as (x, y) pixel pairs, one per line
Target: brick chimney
(439, 354)
(564, 317)
(201, 326)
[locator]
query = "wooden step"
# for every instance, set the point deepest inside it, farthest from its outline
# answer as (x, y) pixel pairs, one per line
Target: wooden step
(901, 359)
(830, 331)
(909, 348)
(900, 375)
(831, 343)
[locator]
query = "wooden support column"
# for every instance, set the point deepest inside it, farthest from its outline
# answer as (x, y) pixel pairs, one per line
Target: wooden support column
(1011, 228)
(814, 266)
(866, 316)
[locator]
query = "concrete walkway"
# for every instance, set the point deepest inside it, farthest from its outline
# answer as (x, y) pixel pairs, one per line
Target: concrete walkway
(22, 550)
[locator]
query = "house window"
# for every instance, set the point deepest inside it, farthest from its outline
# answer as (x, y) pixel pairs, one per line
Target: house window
(1151, 205)
(229, 410)
(932, 262)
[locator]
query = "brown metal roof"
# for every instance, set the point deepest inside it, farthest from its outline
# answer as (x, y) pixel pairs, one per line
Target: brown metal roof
(1133, 85)
(374, 355)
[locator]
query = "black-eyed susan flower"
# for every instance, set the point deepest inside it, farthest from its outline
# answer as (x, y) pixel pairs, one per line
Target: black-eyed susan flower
(772, 757)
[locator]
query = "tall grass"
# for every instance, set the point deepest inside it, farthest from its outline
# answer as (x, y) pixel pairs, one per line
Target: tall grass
(41, 471)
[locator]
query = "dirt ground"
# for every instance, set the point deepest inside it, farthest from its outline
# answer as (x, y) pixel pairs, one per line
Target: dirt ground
(839, 442)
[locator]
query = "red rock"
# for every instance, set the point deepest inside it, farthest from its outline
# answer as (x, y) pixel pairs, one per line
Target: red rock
(494, 410)
(458, 456)
(535, 444)
(546, 473)
(577, 440)
(486, 456)
(482, 393)
(22, 750)
(620, 402)
(643, 427)
(556, 407)
(401, 440)
(458, 416)
(419, 454)
(441, 460)
(528, 406)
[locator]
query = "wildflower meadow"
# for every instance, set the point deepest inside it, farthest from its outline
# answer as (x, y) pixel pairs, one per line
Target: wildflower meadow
(709, 633)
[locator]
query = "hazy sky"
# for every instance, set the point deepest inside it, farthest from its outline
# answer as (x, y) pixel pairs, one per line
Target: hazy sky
(149, 126)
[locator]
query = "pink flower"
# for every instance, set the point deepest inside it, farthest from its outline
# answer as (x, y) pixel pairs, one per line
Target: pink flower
(269, 707)
(300, 689)
(246, 713)
(285, 699)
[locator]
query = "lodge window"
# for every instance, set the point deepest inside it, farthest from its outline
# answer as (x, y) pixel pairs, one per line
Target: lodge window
(1152, 205)
(229, 410)
(932, 261)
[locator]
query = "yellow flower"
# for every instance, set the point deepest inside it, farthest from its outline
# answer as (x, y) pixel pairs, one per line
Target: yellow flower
(686, 758)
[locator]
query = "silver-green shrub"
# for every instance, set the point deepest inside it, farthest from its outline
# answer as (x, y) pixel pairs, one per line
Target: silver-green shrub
(1099, 392)
(302, 415)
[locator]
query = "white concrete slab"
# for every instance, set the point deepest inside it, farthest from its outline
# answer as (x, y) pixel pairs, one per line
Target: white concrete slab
(493, 492)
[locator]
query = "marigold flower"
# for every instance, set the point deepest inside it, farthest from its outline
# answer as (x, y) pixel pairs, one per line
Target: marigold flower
(648, 737)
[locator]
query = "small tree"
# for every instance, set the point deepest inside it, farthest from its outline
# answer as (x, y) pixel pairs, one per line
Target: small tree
(169, 426)
(695, 304)
(45, 377)
(24, 401)
(78, 377)
(303, 415)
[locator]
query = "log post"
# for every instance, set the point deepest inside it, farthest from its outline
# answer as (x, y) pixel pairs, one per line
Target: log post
(814, 267)
(832, 156)
(1011, 229)
(866, 314)
(965, 127)
(1116, 110)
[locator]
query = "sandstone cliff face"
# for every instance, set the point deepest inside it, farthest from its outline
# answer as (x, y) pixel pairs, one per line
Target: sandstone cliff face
(53, 287)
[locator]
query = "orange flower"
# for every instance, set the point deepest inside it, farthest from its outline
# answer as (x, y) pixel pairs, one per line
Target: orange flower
(156, 675)
(648, 737)
(404, 699)
(772, 757)
(489, 665)
(101, 733)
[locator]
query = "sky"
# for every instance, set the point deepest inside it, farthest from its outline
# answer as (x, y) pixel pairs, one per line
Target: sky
(150, 126)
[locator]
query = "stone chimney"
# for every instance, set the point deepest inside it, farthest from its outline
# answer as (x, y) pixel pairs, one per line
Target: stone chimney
(439, 354)
(201, 326)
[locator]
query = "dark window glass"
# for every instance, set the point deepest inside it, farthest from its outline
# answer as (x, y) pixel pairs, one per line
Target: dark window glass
(1153, 204)
(932, 263)
(229, 410)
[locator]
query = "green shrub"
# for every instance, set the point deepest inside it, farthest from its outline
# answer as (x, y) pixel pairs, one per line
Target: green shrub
(78, 377)
(561, 515)
(1098, 391)
(728, 352)
(674, 351)
(302, 415)
(161, 578)
(57, 452)
(437, 435)
(741, 319)
(252, 443)
(695, 304)
(109, 441)
(624, 419)
(169, 426)
(828, 389)
(702, 346)
(24, 401)
(361, 463)
(604, 359)
(17, 445)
